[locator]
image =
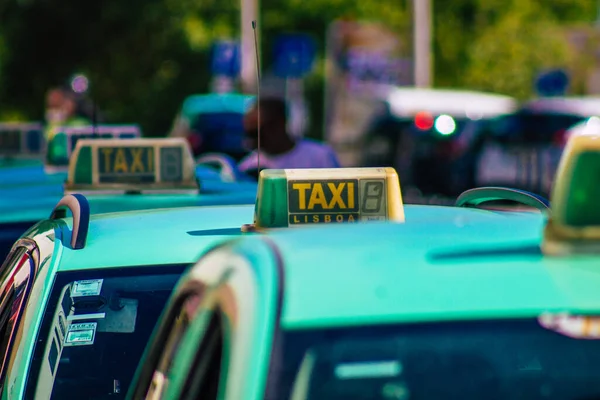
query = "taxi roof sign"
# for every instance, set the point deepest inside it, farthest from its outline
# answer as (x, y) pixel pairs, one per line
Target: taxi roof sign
(22, 140)
(295, 197)
(574, 225)
(64, 140)
(132, 165)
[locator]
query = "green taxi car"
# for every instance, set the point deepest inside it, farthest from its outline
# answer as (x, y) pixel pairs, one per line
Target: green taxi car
(42, 167)
(122, 175)
(80, 296)
(22, 148)
(394, 309)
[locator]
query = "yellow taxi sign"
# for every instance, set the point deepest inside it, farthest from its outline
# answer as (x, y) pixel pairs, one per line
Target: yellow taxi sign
(574, 225)
(295, 197)
(148, 165)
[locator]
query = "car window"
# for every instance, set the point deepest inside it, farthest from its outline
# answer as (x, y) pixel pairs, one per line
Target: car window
(502, 359)
(204, 378)
(95, 327)
(179, 320)
(15, 284)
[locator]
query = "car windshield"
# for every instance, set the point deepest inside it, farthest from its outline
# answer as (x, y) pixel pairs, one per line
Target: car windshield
(503, 359)
(94, 330)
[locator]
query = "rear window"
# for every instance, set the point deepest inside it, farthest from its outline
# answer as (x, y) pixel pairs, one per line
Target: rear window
(502, 359)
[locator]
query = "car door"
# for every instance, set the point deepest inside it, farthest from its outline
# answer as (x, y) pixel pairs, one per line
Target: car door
(16, 280)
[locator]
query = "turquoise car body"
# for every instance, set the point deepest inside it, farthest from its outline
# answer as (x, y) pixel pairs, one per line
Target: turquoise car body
(358, 277)
(115, 240)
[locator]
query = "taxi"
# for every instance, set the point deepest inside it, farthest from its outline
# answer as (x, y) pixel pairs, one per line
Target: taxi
(45, 180)
(218, 171)
(397, 308)
(22, 147)
(122, 175)
(26, 141)
(81, 295)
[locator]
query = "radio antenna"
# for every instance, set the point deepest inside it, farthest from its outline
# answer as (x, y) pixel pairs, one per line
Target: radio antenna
(257, 94)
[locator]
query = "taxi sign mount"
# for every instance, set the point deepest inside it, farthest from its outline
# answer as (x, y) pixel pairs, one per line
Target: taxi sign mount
(132, 165)
(294, 197)
(574, 226)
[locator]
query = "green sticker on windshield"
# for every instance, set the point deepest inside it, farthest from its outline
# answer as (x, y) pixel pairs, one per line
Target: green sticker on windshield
(81, 334)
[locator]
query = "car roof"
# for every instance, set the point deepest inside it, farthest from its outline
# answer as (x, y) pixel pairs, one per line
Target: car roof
(216, 103)
(131, 238)
(445, 270)
(154, 237)
(584, 106)
(458, 103)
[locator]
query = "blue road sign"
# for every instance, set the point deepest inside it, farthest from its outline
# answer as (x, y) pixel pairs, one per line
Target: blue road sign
(226, 58)
(552, 83)
(294, 55)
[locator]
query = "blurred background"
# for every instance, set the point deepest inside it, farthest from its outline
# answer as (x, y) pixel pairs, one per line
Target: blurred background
(355, 73)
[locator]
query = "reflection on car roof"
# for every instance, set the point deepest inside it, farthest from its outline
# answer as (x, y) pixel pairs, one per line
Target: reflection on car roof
(457, 103)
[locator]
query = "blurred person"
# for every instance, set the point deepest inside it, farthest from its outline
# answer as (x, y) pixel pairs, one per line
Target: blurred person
(278, 148)
(64, 108)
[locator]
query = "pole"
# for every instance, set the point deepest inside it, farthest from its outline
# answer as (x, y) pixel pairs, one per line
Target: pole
(422, 42)
(249, 13)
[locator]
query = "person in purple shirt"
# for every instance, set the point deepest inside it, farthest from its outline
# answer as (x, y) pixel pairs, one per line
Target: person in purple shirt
(278, 149)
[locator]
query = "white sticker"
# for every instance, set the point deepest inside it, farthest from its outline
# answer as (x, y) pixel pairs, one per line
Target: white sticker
(368, 369)
(91, 287)
(81, 334)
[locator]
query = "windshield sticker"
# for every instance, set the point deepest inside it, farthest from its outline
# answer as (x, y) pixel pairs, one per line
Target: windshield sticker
(91, 287)
(81, 334)
(86, 316)
(369, 369)
(574, 326)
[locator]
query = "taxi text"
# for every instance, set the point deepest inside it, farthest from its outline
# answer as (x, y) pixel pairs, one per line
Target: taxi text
(127, 160)
(333, 196)
(297, 219)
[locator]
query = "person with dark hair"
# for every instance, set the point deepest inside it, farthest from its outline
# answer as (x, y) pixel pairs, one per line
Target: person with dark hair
(278, 149)
(63, 108)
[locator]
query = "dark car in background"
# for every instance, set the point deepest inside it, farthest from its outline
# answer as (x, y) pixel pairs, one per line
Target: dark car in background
(522, 150)
(431, 136)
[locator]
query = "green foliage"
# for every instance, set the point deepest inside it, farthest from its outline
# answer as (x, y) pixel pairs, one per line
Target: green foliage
(507, 56)
(144, 57)
(501, 45)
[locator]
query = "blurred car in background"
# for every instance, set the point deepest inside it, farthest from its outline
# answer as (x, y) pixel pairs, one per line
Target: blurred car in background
(213, 123)
(429, 136)
(522, 150)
